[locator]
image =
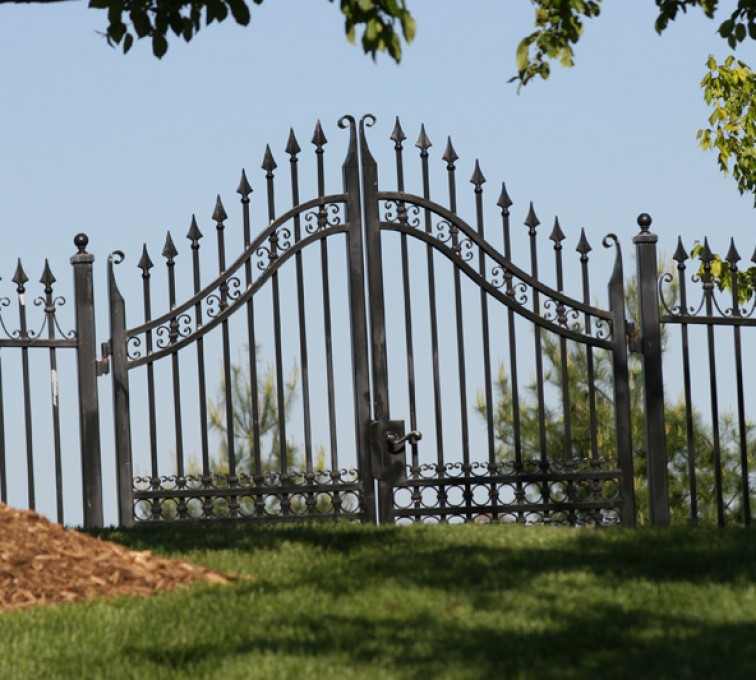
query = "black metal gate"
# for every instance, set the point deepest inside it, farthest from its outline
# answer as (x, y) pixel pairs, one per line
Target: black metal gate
(440, 305)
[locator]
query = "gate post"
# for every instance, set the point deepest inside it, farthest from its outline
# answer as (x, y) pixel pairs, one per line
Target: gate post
(379, 357)
(121, 413)
(358, 314)
(89, 415)
(653, 381)
(622, 418)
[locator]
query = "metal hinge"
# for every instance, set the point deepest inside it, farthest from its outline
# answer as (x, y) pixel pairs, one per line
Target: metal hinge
(103, 365)
(634, 341)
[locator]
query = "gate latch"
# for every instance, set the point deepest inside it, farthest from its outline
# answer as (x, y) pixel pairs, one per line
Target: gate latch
(396, 443)
(388, 451)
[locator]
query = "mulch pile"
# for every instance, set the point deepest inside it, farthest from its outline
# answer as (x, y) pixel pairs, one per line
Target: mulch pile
(43, 563)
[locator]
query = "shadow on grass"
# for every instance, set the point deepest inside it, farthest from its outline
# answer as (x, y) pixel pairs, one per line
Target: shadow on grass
(418, 631)
(491, 556)
(604, 641)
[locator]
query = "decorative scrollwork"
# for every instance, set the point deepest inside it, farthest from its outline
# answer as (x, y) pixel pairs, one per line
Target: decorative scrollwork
(264, 254)
(445, 231)
(270, 495)
(565, 316)
(325, 216)
(234, 288)
(178, 327)
(282, 238)
(4, 302)
(402, 213)
(603, 329)
(464, 249)
(665, 280)
(133, 345)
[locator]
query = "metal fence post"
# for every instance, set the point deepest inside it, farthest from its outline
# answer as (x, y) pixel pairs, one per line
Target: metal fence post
(89, 416)
(653, 381)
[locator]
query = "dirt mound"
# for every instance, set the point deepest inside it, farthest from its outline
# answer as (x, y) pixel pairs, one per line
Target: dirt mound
(43, 563)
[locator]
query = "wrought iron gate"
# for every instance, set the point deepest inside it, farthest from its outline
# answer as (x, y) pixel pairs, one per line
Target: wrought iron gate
(406, 254)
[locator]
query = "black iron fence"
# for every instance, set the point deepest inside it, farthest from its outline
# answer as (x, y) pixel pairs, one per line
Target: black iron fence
(372, 355)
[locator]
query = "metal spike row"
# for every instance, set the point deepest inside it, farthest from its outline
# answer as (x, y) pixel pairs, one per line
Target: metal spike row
(194, 234)
(398, 136)
(169, 250)
(583, 247)
(733, 256)
(47, 279)
(680, 253)
(531, 220)
(292, 147)
(244, 187)
(504, 201)
(20, 277)
(706, 254)
(318, 138)
(268, 164)
(145, 263)
(219, 214)
(423, 143)
(477, 177)
(557, 235)
(450, 155)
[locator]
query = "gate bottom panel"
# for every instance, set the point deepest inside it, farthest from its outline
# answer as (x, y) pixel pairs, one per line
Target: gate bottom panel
(268, 498)
(479, 494)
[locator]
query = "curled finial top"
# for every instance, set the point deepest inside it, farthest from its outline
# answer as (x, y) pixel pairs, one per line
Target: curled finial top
(345, 122)
(81, 241)
(644, 221)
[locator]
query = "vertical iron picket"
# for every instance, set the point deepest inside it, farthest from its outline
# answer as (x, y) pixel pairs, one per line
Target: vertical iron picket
(47, 280)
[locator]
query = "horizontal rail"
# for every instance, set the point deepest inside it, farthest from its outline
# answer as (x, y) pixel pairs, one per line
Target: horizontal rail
(507, 300)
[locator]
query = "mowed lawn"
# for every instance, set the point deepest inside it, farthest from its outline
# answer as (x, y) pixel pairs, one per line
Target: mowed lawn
(344, 601)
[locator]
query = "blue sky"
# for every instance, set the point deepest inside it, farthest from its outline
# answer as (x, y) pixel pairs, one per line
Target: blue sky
(127, 147)
(124, 147)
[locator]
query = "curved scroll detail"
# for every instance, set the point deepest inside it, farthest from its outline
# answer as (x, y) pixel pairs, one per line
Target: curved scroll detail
(327, 215)
(133, 347)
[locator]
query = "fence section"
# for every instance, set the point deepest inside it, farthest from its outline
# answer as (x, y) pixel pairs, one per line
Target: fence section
(48, 392)
(708, 302)
(496, 446)
(372, 354)
(220, 445)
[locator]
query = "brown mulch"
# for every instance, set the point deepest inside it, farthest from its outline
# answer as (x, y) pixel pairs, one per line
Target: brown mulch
(43, 563)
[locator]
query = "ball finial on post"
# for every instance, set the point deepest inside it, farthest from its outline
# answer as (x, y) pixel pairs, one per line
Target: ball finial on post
(81, 241)
(644, 221)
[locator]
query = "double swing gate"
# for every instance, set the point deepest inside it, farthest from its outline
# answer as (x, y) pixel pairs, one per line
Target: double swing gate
(370, 355)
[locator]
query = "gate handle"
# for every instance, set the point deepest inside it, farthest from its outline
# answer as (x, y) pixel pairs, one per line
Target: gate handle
(396, 443)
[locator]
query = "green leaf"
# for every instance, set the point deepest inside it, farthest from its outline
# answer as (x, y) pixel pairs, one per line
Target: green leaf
(726, 28)
(116, 31)
(128, 42)
(159, 45)
(240, 11)
(408, 27)
(522, 53)
(141, 22)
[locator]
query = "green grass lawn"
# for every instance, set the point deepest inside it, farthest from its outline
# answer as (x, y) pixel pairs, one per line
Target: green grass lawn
(348, 601)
